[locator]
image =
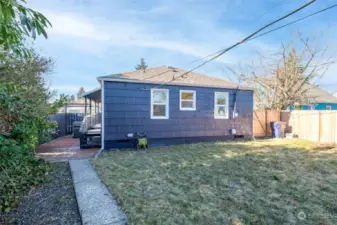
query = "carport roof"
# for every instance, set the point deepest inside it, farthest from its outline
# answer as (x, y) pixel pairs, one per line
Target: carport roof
(94, 94)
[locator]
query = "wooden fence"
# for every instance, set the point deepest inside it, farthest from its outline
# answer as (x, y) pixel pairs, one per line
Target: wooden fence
(65, 122)
(261, 123)
(317, 126)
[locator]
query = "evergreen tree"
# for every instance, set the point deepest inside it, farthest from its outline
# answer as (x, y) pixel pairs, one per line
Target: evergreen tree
(142, 65)
(72, 98)
(80, 93)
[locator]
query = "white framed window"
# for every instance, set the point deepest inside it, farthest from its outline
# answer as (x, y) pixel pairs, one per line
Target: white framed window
(328, 107)
(187, 100)
(221, 105)
(159, 104)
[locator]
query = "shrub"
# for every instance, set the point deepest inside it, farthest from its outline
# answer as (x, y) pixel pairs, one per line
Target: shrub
(19, 171)
(23, 123)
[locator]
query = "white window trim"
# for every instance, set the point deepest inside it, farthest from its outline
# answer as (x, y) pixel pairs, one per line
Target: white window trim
(167, 104)
(194, 100)
(326, 107)
(227, 111)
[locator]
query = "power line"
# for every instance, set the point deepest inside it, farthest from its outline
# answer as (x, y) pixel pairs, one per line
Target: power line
(295, 21)
(240, 42)
(157, 74)
(273, 7)
(209, 55)
(280, 27)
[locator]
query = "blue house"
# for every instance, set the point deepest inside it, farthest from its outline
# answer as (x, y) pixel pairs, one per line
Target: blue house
(170, 110)
(318, 99)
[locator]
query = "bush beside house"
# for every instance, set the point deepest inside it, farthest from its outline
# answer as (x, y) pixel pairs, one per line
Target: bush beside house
(24, 123)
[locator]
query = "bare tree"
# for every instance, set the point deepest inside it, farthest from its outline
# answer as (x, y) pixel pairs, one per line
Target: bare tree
(284, 79)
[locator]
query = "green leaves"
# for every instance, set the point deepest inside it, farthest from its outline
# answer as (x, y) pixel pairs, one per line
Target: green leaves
(20, 123)
(17, 23)
(19, 171)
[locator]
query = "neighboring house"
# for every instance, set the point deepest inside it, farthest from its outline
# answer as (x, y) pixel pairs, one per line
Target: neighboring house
(318, 99)
(73, 107)
(190, 109)
(314, 98)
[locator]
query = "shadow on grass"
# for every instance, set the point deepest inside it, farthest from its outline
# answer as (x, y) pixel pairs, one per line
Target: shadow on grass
(262, 182)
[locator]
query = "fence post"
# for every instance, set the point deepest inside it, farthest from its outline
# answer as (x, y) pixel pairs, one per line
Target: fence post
(66, 119)
(265, 122)
(319, 126)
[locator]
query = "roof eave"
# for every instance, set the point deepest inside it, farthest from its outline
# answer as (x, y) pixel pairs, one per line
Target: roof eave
(90, 92)
(172, 84)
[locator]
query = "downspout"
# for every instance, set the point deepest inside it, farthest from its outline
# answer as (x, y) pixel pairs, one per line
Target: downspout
(235, 113)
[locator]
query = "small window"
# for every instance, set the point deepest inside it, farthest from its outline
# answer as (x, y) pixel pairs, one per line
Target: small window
(187, 100)
(310, 107)
(159, 104)
(221, 105)
(328, 107)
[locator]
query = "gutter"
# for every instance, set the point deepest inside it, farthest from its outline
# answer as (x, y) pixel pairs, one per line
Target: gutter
(100, 79)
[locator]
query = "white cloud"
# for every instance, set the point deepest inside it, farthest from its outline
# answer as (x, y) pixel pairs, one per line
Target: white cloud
(110, 36)
(69, 25)
(114, 33)
(97, 34)
(153, 10)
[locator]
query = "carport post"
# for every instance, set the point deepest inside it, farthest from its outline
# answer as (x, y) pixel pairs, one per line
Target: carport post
(90, 105)
(85, 106)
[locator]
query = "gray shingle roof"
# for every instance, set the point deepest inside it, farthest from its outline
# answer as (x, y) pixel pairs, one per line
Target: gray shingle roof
(318, 95)
(164, 74)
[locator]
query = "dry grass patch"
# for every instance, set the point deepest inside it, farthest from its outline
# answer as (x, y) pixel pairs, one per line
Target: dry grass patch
(262, 182)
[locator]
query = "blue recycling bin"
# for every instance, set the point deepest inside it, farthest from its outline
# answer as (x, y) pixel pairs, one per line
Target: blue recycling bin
(276, 129)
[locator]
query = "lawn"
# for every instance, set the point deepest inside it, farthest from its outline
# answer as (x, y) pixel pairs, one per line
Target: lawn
(262, 182)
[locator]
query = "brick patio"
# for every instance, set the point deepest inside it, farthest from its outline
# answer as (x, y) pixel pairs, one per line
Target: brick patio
(64, 149)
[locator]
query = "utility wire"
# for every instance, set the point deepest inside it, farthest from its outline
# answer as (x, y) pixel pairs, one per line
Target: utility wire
(209, 55)
(295, 21)
(273, 7)
(265, 33)
(280, 27)
(146, 78)
(238, 43)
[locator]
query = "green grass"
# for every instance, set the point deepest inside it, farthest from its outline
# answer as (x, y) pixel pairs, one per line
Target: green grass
(262, 182)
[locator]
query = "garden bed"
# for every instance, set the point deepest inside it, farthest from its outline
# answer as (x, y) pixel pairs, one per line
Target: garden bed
(52, 203)
(262, 182)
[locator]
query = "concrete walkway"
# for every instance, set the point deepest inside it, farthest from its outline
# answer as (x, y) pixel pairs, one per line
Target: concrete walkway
(94, 200)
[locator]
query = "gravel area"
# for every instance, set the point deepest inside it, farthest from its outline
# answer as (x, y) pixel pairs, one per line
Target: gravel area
(51, 203)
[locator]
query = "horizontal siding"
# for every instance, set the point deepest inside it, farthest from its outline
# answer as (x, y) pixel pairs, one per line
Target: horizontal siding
(321, 106)
(127, 110)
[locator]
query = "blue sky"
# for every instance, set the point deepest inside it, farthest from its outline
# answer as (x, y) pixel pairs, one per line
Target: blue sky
(92, 38)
